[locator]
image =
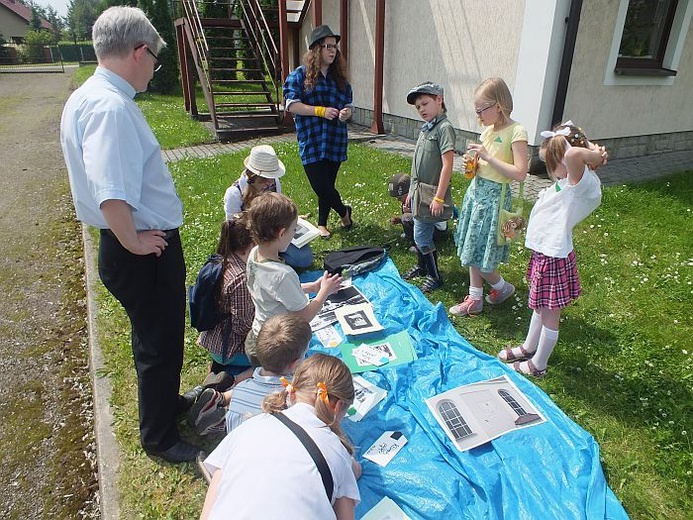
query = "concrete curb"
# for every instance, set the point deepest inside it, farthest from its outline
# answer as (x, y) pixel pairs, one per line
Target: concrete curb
(107, 449)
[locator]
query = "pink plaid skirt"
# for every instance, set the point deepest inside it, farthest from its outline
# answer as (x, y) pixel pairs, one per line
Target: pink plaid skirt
(553, 282)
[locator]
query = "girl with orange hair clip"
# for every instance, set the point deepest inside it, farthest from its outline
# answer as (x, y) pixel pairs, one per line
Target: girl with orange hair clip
(262, 469)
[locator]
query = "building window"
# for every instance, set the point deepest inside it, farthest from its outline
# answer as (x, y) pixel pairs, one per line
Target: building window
(645, 37)
(512, 402)
(454, 420)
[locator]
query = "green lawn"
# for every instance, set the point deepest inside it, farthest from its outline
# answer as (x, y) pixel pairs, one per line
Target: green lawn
(622, 368)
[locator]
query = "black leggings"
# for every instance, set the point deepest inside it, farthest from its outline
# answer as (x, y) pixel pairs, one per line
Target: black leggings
(322, 176)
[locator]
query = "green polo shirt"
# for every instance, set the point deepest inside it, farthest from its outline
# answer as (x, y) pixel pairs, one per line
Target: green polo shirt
(428, 157)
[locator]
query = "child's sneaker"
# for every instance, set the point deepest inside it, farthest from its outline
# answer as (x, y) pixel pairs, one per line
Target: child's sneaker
(467, 307)
(497, 297)
(205, 412)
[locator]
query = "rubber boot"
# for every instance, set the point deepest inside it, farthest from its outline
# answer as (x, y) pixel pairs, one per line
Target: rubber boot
(417, 270)
(433, 277)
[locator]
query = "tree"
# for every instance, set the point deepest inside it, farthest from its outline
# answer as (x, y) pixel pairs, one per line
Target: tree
(81, 15)
(36, 21)
(158, 11)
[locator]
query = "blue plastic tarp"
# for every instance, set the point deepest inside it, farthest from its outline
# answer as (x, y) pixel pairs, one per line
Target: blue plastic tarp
(551, 470)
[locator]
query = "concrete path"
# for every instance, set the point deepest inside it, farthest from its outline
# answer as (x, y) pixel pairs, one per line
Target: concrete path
(617, 171)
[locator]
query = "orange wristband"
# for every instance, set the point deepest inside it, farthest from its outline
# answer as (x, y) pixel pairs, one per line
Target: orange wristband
(439, 200)
(319, 111)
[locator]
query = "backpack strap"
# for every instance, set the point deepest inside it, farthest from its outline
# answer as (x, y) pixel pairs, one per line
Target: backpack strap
(313, 451)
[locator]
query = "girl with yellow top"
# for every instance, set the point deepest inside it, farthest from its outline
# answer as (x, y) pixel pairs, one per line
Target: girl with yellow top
(502, 158)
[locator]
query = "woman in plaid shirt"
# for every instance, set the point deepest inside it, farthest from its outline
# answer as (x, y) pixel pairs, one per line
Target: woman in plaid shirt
(320, 97)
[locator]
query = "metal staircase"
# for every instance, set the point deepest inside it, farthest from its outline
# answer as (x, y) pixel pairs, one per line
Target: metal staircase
(234, 57)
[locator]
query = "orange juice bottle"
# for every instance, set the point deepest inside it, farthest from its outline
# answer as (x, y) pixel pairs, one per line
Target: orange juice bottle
(471, 163)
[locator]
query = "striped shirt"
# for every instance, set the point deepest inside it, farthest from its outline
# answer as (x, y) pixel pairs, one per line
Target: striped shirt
(247, 396)
(319, 139)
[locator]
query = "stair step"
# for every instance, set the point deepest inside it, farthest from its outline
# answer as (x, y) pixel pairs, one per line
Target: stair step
(228, 58)
(229, 69)
(246, 114)
(237, 81)
(239, 92)
(249, 104)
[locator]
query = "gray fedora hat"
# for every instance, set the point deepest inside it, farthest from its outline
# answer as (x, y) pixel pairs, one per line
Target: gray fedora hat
(320, 32)
(425, 88)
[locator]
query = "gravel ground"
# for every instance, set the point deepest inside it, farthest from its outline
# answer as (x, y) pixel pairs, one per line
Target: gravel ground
(47, 448)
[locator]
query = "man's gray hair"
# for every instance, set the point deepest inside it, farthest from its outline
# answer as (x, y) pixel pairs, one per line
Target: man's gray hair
(120, 29)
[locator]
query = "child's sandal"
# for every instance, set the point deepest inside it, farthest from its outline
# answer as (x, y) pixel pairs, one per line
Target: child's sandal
(528, 369)
(508, 356)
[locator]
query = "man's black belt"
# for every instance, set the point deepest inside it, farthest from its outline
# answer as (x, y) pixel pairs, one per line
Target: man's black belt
(170, 233)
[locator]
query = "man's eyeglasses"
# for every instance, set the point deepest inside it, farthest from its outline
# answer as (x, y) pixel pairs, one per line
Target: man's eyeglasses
(157, 65)
(329, 46)
(481, 111)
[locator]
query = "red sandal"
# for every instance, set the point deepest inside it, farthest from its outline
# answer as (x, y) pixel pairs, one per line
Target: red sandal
(508, 356)
(530, 369)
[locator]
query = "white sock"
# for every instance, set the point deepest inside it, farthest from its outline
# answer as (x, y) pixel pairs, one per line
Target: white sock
(547, 341)
(477, 293)
(532, 339)
(498, 285)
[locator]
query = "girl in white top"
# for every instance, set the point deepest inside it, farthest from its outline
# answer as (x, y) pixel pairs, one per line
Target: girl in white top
(261, 470)
(262, 172)
(571, 160)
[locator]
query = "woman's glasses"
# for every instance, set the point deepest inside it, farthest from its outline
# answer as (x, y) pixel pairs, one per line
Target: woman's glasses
(481, 110)
(329, 46)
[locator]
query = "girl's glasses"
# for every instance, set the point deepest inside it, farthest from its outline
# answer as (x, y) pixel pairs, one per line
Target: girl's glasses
(329, 46)
(481, 111)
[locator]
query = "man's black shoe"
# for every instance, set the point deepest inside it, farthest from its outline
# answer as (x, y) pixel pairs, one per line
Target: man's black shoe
(181, 451)
(188, 399)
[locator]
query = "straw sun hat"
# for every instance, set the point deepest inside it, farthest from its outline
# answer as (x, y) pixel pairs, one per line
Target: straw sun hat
(263, 161)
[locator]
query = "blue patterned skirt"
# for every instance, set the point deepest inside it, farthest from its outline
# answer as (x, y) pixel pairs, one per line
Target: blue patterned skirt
(477, 226)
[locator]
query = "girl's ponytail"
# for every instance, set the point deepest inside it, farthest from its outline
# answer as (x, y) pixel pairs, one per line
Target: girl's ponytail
(234, 236)
(552, 149)
(320, 380)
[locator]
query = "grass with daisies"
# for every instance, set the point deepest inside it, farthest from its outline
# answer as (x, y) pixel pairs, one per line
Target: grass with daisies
(623, 367)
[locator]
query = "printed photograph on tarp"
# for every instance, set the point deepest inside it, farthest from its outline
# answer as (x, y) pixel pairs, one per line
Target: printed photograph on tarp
(479, 412)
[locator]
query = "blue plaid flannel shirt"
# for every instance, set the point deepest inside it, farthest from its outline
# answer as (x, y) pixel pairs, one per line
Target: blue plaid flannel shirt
(318, 138)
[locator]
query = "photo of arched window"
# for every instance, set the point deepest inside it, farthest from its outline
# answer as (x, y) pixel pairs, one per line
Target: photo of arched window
(454, 420)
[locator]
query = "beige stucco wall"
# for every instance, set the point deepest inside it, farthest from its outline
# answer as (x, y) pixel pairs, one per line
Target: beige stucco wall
(12, 25)
(608, 111)
(453, 42)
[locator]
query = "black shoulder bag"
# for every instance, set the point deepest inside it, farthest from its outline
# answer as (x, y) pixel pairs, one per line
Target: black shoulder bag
(313, 451)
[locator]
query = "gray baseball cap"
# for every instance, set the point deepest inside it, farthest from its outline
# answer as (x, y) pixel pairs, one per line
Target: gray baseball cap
(429, 87)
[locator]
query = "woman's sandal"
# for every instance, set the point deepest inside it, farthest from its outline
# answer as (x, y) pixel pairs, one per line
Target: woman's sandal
(530, 369)
(508, 356)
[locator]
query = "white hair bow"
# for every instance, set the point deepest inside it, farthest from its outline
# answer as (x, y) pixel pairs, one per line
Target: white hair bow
(564, 131)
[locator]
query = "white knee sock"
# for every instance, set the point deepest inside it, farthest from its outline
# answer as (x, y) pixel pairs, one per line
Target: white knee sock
(532, 339)
(477, 293)
(499, 284)
(547, 341)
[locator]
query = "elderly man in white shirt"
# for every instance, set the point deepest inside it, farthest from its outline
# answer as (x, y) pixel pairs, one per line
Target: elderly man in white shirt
(121, 185)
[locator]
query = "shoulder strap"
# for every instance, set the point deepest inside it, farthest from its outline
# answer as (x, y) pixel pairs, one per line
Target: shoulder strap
(313, 451)
(520, 195)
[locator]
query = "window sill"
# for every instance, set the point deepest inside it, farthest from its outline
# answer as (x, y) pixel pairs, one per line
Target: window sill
(622, 71)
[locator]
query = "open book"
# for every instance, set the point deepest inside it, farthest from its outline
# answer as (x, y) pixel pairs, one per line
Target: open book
(305, 232)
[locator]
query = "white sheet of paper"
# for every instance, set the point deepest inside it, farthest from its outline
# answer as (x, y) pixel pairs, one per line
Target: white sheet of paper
(366, 396)
(367, 355)
(386, 509)
(329, 337)
(385, 448)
